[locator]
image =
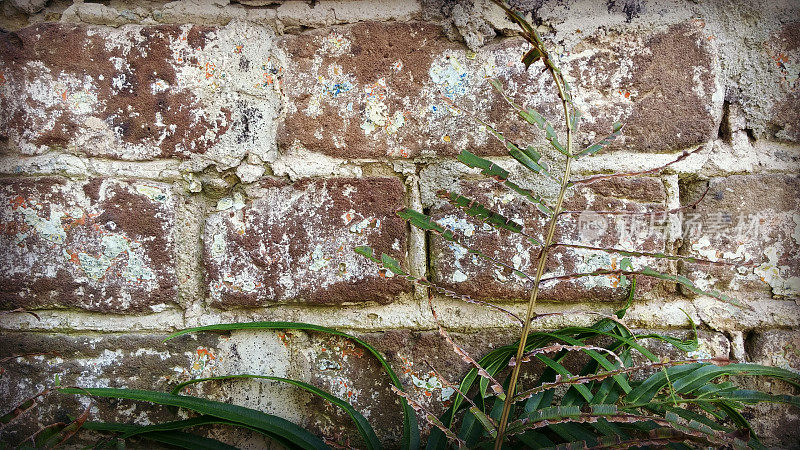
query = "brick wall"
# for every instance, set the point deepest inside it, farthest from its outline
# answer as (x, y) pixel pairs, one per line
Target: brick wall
(168, 165)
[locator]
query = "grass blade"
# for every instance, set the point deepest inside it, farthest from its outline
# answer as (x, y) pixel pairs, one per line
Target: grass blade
(175, 438)
(364, 428)
(272, 425)
(410, 428)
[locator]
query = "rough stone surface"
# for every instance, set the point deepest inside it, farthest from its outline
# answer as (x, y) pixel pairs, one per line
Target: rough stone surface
(294, 242)
(779, 348)
(375, 90)
(31, 362)
(454, 268)
(751, 219)
(141, 92)
(784, 50)
(102, 245)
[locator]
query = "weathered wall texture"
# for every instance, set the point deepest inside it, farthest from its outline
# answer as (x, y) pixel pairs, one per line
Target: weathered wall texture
(167, 165)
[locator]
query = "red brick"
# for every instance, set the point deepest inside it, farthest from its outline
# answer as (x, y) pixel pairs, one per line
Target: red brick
(374, 90)
(468, 274)
(101, 245)
(135, 93)
(783, 50)
(294, 242)
(752, 219)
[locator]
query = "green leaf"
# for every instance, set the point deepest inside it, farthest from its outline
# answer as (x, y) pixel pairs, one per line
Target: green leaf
(364, 428)
(488, 168)
(575, 119)
(603, 143)
(272, 425)
(531, 57)
(364, 250)
(484, 420)
(175, 425)
(524, 159)
(496, 172)
(424, 222)
(410, 428)
(175, 438)
(688, 345)
(621, 312)
(392, 264)
(751, 396)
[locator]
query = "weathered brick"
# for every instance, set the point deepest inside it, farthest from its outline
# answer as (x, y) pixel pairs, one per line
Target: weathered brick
(101, 244)
(751, 219)
(778, 348)
(140, 92)
(454, 268)
(777, 425)
(783, 49)
(294, 242)
(30, 363)
(374, 90)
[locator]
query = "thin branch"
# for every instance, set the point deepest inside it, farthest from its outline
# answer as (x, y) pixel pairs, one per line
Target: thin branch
(555, 348)
(599, 376)
(683, 156)
(555, 73)
(429, 417)
(21, 409)
(496, 386)
(648, 213)
(624, 252)
(450, 385)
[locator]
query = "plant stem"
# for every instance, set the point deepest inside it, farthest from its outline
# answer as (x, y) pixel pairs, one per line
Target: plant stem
(498, 443)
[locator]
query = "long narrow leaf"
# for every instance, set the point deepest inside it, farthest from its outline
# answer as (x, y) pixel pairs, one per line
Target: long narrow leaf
(500, 175)
(603, 143)
(410, 428)
(234, 413)
(175, 438)
(364, 428)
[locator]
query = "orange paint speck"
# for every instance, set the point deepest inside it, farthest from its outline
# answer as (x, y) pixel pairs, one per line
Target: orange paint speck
(17, 201)
(205, 352)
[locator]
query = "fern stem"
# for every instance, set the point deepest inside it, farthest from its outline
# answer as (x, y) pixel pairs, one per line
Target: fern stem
(565, 184)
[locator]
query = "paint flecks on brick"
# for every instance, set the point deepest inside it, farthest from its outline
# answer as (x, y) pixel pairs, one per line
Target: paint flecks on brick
(294, 243)
(376, 90)
(751, 219)
(456, 268)
(140, 92)
(783, 51)
(101, 245)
